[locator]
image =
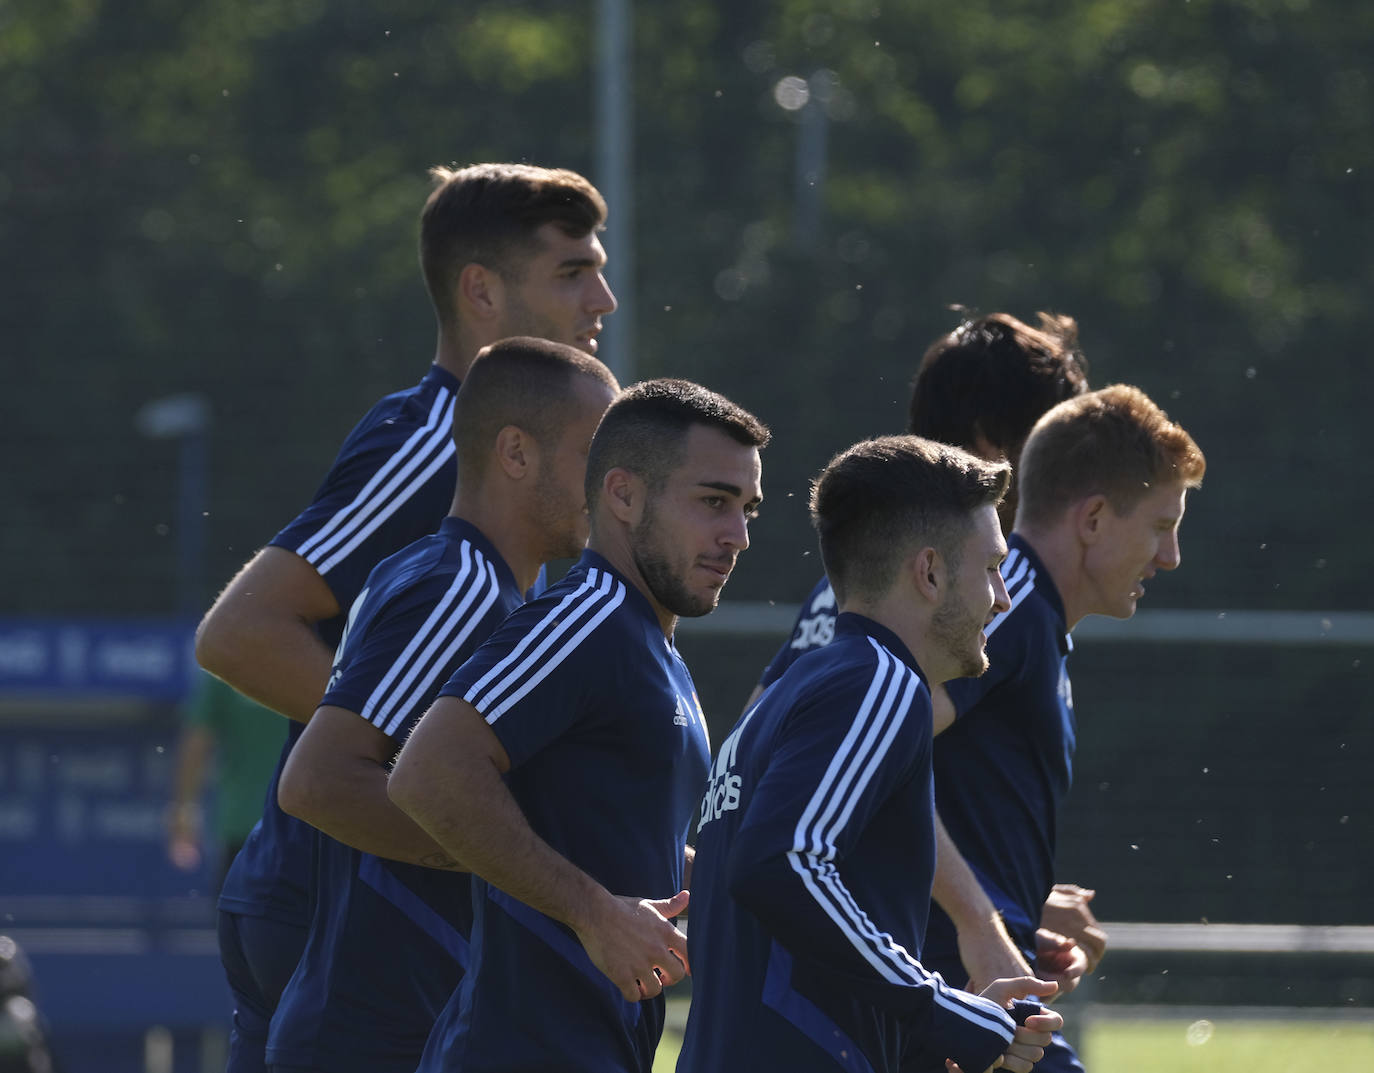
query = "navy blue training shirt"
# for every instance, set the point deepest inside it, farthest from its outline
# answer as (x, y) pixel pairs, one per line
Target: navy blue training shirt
(814, 627)
(391, 484)
(815, 858)
(388, 941)
(1005, 765)
(608, 753)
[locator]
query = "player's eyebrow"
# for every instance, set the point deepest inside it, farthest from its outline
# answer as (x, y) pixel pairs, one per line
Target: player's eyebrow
(731, 489)
(722, 486)
(582, 262)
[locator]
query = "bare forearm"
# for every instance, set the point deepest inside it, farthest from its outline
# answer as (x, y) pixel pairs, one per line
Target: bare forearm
(260, 634)
(280, 663)
(349, 803)
(985, 947)
(467, 809)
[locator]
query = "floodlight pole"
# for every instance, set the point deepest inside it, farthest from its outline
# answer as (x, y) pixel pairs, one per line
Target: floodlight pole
(186, 419)
(615, 177)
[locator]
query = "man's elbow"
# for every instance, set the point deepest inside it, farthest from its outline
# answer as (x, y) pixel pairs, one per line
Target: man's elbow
(400, 785)
(219, 642)
(296, 795)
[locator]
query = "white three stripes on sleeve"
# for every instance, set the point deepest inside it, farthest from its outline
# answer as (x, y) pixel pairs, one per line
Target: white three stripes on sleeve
(1019, 576)
(876, 723)
(414, 678)
(549, 643)
(405, 472)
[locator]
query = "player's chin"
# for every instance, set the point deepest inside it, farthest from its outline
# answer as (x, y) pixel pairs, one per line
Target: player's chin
(975, 665)
(1127, 608)
(573, 544)
(702, 602)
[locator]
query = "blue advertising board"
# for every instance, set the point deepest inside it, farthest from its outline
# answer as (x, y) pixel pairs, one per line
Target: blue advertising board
(120, 940)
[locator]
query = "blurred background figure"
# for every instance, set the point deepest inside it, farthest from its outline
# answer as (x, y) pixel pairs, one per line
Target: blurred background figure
(224, 731)
(23, 1042)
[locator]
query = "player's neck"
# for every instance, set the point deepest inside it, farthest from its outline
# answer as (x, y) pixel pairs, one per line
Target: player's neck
(1059, 551)
(617, 552)
(455, 349)
(490, 514)
(900, 613)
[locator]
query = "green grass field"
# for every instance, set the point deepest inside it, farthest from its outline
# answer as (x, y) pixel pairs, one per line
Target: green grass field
(1183, 1045)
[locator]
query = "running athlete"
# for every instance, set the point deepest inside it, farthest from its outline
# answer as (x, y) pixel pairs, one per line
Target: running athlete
(1103, 482)
(982, 387)
(389, 930)
(816, 845)
(506, 250)
(563, 762)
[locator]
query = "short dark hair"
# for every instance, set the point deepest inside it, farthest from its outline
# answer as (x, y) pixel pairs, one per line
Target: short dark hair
(993, 376)
(645, 430)
(882, 499)
(1114, 442)
(519, 381)
(488, 214)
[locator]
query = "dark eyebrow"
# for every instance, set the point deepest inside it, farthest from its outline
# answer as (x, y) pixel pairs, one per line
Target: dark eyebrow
(731, 489)
(582, 262)
(722, 486)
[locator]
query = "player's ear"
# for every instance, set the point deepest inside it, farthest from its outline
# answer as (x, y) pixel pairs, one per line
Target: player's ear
(625, 493)
(480, 291)
(1088, 516)
(926, 571)
(516, 452)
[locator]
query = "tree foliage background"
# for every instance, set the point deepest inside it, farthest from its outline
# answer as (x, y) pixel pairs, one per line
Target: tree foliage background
(222, 197)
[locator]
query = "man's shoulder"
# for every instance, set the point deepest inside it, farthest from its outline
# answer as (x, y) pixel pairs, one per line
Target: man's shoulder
(1034, 607)
(397, 417)
(850, 666)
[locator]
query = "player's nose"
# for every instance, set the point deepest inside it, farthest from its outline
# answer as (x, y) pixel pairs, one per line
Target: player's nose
(600, 300)
(1001, 600)
(1169, 554)
(736, 534)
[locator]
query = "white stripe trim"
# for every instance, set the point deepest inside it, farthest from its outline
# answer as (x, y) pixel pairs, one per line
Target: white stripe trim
(378, 494)
(879, 717)
(426, 690)
(1023, 574)
(600, 595)
(411, 679)
(376, 710)
(552, 616)
(392, 506)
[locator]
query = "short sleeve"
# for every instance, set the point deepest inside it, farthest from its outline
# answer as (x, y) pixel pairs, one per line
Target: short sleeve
(389, 486)
(391, 667)
(542, 670)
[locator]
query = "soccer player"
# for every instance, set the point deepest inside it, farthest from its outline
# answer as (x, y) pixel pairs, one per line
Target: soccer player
(1103, 483)
(506, 250)
(980, 387)
(816, 845)
(563, 762)
(388, 934)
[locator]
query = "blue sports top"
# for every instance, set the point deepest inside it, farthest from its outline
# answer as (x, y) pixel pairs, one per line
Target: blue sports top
(391, 484)
(388, 941)
(814, 627)
(815, 858)
(608, 753)
(1004, 766)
